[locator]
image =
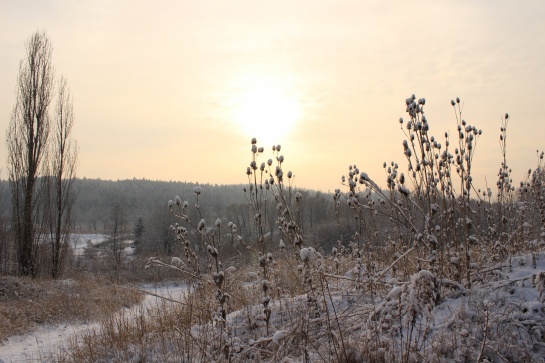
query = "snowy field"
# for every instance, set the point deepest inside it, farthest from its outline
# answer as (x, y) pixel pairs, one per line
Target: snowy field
(503, 315)
(504, 312)
(80, 242)
(43, 343)
(40, 344)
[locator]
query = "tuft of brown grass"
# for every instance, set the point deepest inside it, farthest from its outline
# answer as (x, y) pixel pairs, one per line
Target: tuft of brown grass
(26, 303)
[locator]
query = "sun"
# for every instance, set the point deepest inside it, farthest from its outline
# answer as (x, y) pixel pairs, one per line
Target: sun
(266, 110)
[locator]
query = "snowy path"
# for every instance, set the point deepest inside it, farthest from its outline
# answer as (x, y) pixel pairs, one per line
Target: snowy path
(42, 344)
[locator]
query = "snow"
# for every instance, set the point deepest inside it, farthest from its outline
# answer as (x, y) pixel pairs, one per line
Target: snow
(278, 336)
(307, 254)
(403, 190)
(42, 343)
(395, 293)
(128, 252)
(510, 300)
(80, 241)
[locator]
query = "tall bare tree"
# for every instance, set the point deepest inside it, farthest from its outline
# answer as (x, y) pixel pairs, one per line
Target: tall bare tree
(42, 160)
(26, 139)
(63, 161)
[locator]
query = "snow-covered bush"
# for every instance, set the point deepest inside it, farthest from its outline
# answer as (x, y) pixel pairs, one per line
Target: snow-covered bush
(433, 221)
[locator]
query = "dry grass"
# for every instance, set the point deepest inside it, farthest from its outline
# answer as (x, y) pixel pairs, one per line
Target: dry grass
(26, 303)
(162, 330)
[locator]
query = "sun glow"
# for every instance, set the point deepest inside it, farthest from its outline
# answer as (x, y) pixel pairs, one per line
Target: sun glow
(265, 109)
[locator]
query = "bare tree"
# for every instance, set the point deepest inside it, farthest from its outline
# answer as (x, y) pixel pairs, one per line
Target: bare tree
(26, 139)
(63, 162)
(42, 160)
(118, 231)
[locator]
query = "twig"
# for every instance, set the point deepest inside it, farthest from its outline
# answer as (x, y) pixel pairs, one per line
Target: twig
(152, 294)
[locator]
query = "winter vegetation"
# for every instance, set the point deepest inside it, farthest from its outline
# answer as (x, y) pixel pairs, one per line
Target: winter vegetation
(419, 265)
(433, 270)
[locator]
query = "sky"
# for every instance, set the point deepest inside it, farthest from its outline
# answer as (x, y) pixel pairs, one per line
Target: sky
(175, 90)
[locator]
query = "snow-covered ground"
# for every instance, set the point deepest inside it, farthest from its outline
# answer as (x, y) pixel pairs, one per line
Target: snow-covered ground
(128, 251)
(502, 318)
(42, 343)
(81, 241)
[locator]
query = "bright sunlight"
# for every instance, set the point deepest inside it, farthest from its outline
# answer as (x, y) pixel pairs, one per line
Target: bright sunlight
(265, 109)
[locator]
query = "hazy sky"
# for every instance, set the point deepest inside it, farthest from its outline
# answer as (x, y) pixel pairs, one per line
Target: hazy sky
(174, 90)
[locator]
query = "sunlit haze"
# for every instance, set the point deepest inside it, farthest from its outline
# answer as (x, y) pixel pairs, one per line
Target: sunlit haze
(175, 90)
(265, 108)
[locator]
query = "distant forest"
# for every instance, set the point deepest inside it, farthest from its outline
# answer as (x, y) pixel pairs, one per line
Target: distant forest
(143, 198)
(97, 199)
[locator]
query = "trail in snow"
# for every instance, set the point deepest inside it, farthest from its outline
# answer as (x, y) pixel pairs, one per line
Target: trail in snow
(43, 343)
